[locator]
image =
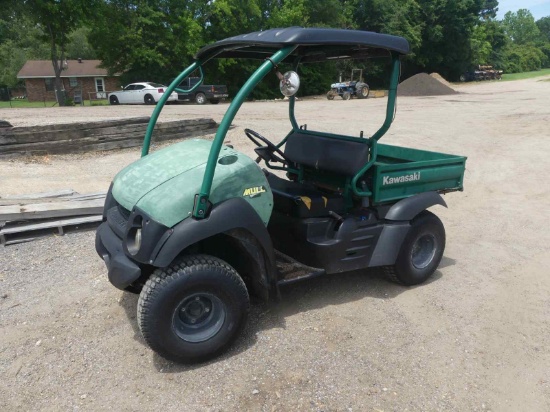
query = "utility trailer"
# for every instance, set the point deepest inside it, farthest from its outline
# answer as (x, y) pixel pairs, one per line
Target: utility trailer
(197, 227)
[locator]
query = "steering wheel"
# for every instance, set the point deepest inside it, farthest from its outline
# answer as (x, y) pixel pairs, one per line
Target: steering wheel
(268, 152)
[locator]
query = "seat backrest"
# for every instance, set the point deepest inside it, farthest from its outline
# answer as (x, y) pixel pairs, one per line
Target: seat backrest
(324, 153)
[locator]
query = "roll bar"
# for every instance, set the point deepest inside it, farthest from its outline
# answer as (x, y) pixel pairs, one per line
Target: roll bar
(201, 199)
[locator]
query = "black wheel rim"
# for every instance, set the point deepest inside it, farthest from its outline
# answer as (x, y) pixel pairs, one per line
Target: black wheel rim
(199, 317)
(423, 251)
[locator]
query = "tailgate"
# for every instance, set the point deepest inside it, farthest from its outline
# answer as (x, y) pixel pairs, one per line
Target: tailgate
(400, 172)
(219, 89)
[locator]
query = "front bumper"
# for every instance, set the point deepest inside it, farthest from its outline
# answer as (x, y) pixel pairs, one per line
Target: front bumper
(122, 270)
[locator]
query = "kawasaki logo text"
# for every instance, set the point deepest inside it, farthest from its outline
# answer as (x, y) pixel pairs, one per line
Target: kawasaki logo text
(401, 179)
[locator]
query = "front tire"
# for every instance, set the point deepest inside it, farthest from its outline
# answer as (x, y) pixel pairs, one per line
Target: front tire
(346, 96)
(200, 98)
(193, 310)
(421, 251)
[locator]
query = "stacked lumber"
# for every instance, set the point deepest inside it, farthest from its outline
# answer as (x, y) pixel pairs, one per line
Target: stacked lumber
(97, 135)
(26, 217)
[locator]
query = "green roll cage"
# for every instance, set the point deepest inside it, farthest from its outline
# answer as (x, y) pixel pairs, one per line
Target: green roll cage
(201, 199)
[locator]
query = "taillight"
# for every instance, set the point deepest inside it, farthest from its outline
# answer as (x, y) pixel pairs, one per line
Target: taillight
(212, 88)
(161, 90)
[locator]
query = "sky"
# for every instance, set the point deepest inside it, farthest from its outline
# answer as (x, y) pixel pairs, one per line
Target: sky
(538, 8)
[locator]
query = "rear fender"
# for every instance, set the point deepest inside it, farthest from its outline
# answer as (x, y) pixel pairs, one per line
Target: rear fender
(408, 208)
(397, 226)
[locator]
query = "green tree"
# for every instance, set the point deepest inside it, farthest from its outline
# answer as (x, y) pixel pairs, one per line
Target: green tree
(56, 19)
(521, 27)
(544, 27)
(481, 47)
(148, 40)
(79, 46)
(489, 9)
(20, 40)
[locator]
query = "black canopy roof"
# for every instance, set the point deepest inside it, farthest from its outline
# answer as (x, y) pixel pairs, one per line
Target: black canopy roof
(314, 44)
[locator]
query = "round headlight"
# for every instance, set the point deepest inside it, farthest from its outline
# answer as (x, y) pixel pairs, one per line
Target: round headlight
(133, 241)
(137, 239)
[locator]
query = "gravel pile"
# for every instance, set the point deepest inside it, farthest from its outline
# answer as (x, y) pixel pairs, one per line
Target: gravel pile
(441, 79)
(423, 84)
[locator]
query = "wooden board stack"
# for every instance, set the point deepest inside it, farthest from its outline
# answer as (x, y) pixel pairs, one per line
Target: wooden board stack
(26, 217)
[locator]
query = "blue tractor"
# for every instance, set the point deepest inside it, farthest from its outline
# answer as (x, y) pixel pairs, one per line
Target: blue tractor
(354, 87)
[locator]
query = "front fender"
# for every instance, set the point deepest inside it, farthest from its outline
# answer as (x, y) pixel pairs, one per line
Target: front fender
(408, 208)
(232, 214)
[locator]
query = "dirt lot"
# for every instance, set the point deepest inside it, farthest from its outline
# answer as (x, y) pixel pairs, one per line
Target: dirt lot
(474, 338)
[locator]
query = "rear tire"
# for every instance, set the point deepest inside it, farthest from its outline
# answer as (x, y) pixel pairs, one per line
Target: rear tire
(193, 310)
(113, 100)
(214, 101)
(148, 99)
(364, 92)
(421, 251)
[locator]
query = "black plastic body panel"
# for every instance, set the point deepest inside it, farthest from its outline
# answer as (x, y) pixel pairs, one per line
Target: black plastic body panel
(408, 208)
(325, 243)
(122, 270)
(388, 246)
(232, 214)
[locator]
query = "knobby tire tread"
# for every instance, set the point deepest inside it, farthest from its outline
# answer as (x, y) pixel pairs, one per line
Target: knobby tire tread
(162, 277)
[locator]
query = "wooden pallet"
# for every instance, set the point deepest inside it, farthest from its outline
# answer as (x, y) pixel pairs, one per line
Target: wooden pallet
(26, 217)
(20, 232)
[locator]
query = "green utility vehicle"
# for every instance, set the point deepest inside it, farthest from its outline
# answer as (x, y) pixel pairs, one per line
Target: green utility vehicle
(198, 227)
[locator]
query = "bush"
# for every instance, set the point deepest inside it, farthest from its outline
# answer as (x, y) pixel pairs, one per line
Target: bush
(524, 58)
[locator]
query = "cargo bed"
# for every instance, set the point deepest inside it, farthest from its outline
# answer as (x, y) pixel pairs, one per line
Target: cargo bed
(400, 172)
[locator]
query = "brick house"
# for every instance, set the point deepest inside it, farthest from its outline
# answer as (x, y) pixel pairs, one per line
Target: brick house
(79, 76)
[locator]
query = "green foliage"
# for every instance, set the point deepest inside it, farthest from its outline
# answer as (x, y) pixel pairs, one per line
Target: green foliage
(521, 27)
(481, 47)
(145, 38)
(544, 28)
(78, 45)
(20, 40)
(153, 40)
(523, 58)
(489, 9)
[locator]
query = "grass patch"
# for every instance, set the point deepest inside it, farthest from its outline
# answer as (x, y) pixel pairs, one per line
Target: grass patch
(24, 103)
(526, 75)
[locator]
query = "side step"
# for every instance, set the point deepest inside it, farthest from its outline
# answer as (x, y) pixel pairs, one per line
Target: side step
(290, 270)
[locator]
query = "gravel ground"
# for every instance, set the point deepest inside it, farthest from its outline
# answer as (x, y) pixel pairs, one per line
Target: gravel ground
(476, 337)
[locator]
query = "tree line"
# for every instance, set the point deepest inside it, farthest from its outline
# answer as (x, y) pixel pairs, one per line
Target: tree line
(155, 39)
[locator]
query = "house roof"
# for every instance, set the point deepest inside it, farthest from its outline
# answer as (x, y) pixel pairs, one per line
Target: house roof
(44, 68)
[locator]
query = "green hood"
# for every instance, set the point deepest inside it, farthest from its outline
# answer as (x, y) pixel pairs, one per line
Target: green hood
(164, 183)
